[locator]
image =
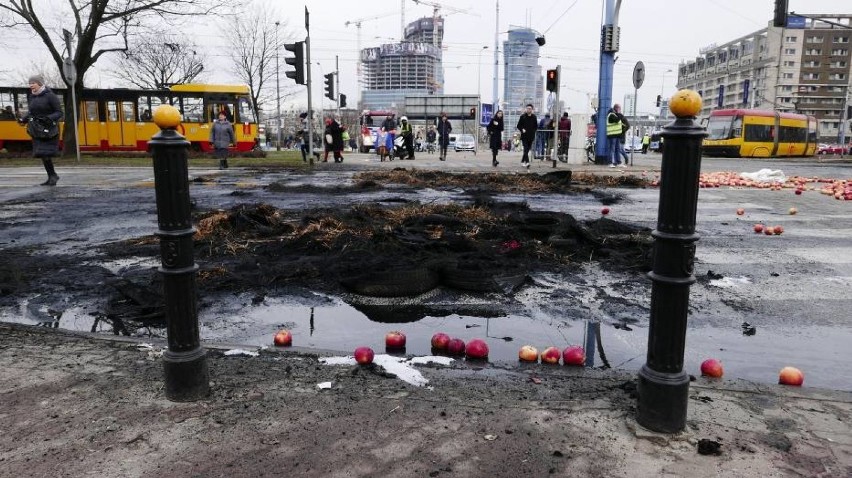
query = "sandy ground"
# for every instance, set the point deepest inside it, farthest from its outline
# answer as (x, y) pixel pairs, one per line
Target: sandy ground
(75, 405)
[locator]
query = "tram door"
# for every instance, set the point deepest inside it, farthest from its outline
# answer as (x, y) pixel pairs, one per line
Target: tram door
(91, 132)
(121, 124)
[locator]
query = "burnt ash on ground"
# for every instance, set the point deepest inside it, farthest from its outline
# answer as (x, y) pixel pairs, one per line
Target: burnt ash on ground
(380, 249)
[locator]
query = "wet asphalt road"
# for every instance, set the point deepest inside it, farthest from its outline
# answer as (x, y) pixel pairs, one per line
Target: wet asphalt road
(794, 288)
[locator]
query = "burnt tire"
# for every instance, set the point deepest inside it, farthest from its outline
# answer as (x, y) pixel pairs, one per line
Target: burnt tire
(482, 275)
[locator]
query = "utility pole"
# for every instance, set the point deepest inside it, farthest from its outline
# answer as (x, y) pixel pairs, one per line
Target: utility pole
(494, 98)
(555, 116)
(337, 83)
(277, 93)
(609, 46)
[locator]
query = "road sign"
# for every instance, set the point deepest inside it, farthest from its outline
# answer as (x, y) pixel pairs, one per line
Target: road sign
(487, 111)
(69, 70)
(638, 74)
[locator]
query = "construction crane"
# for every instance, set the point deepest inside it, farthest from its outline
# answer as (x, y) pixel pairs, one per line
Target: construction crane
(357, 24)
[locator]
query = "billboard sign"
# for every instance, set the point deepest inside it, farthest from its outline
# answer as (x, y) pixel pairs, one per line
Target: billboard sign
(487, 112)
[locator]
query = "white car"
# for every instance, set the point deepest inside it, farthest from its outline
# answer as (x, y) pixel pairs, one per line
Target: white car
(465, 142)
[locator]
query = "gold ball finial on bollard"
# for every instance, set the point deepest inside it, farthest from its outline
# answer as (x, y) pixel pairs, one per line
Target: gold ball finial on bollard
(685, 103)
(166, 116)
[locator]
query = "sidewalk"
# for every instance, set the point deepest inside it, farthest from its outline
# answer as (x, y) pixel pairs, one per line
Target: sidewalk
(76, 405)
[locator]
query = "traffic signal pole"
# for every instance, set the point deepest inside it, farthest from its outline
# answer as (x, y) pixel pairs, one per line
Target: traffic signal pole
(555, 116)
(308, 81)
(609, 46)
(337, 82)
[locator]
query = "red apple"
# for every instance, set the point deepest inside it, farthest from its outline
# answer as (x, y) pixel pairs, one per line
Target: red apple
(528, 353)
(440, 341)
(791, 376)
(605, 211)
(283, 338)
(740, 211)
(364, 355)
(769, 230)
(455, 347)
(395, 340)
(793, 211)
(711, 368)
(778, 230)
(477, 349)
(758, 228)
(550, 355)
(798, 192)
(574, 355)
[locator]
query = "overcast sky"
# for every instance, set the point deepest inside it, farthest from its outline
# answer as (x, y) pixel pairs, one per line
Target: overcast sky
(660, 33)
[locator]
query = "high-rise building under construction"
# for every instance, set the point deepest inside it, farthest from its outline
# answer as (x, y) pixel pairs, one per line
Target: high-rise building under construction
(411, 67)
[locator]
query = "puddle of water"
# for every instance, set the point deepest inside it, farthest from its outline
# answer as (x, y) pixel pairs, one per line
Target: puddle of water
(727, 282)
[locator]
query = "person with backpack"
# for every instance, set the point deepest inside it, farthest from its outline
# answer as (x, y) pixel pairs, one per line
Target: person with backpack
(616, 126)
(42, 118)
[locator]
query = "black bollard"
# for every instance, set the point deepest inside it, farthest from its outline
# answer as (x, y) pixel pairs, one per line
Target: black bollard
(185, 362)
(663, 385)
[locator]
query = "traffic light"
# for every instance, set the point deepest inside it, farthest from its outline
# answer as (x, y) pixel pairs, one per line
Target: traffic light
(780, 18)
(342, 100)
(473, 113)
(298, 61)
(659, 100)
(552, 80)
(329, 86)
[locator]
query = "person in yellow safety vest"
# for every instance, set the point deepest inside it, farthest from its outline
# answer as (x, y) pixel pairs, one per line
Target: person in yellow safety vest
(616, 126)
(646, 142)
(407, 136)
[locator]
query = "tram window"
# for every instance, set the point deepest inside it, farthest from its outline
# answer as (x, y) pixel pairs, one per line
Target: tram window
(91, 111)
(193, 109)
(112, 111)
(128, 112)
(7, 106)
(144, 108)
(217, 107)
(246, 111)
(23, 107)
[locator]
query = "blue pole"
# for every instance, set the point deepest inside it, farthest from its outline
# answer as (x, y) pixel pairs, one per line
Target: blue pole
(607, 64)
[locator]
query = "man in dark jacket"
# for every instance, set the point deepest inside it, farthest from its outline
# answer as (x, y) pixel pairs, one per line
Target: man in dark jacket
(527, 125)
(44, 109)
(495, 133)
(444, 130)
(564, 135)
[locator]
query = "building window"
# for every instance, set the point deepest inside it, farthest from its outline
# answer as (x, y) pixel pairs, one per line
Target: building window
(787, 88)
(787, 76)
(810, 76)
(789, 51)
(812, 64)
(789, 63)
(813, 39)
(838, 64)
(835, 89)
(839, 52)
(813, 51)
(837, 76)
(840, 40)
(790, 39)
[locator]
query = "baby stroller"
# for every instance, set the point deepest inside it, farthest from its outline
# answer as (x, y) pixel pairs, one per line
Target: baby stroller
(430, 147)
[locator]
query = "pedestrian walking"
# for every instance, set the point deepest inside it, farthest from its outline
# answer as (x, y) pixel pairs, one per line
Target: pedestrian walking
(42, 120)
(495, 132)
(303, 134)
(646, 142)
(431, 136)
(527, 125)
(616, 126)
(444, 130)
(333, 140)
(221, 138)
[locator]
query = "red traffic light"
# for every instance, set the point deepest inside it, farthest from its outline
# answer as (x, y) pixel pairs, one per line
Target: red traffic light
(552, 80)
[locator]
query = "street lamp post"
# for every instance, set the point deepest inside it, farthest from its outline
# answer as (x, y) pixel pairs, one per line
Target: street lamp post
(479, 94)
(277, 93)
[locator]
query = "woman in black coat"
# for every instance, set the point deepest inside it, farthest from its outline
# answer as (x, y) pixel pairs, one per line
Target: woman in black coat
(495, 140)
(333, 140)
(44, 110)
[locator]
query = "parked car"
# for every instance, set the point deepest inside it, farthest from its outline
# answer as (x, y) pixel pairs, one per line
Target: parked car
(465, 142)
(831, 149)
(633, 143)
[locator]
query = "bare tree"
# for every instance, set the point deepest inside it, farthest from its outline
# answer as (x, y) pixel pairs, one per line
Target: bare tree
(152, 62)
(99, 26)
(253, 45)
